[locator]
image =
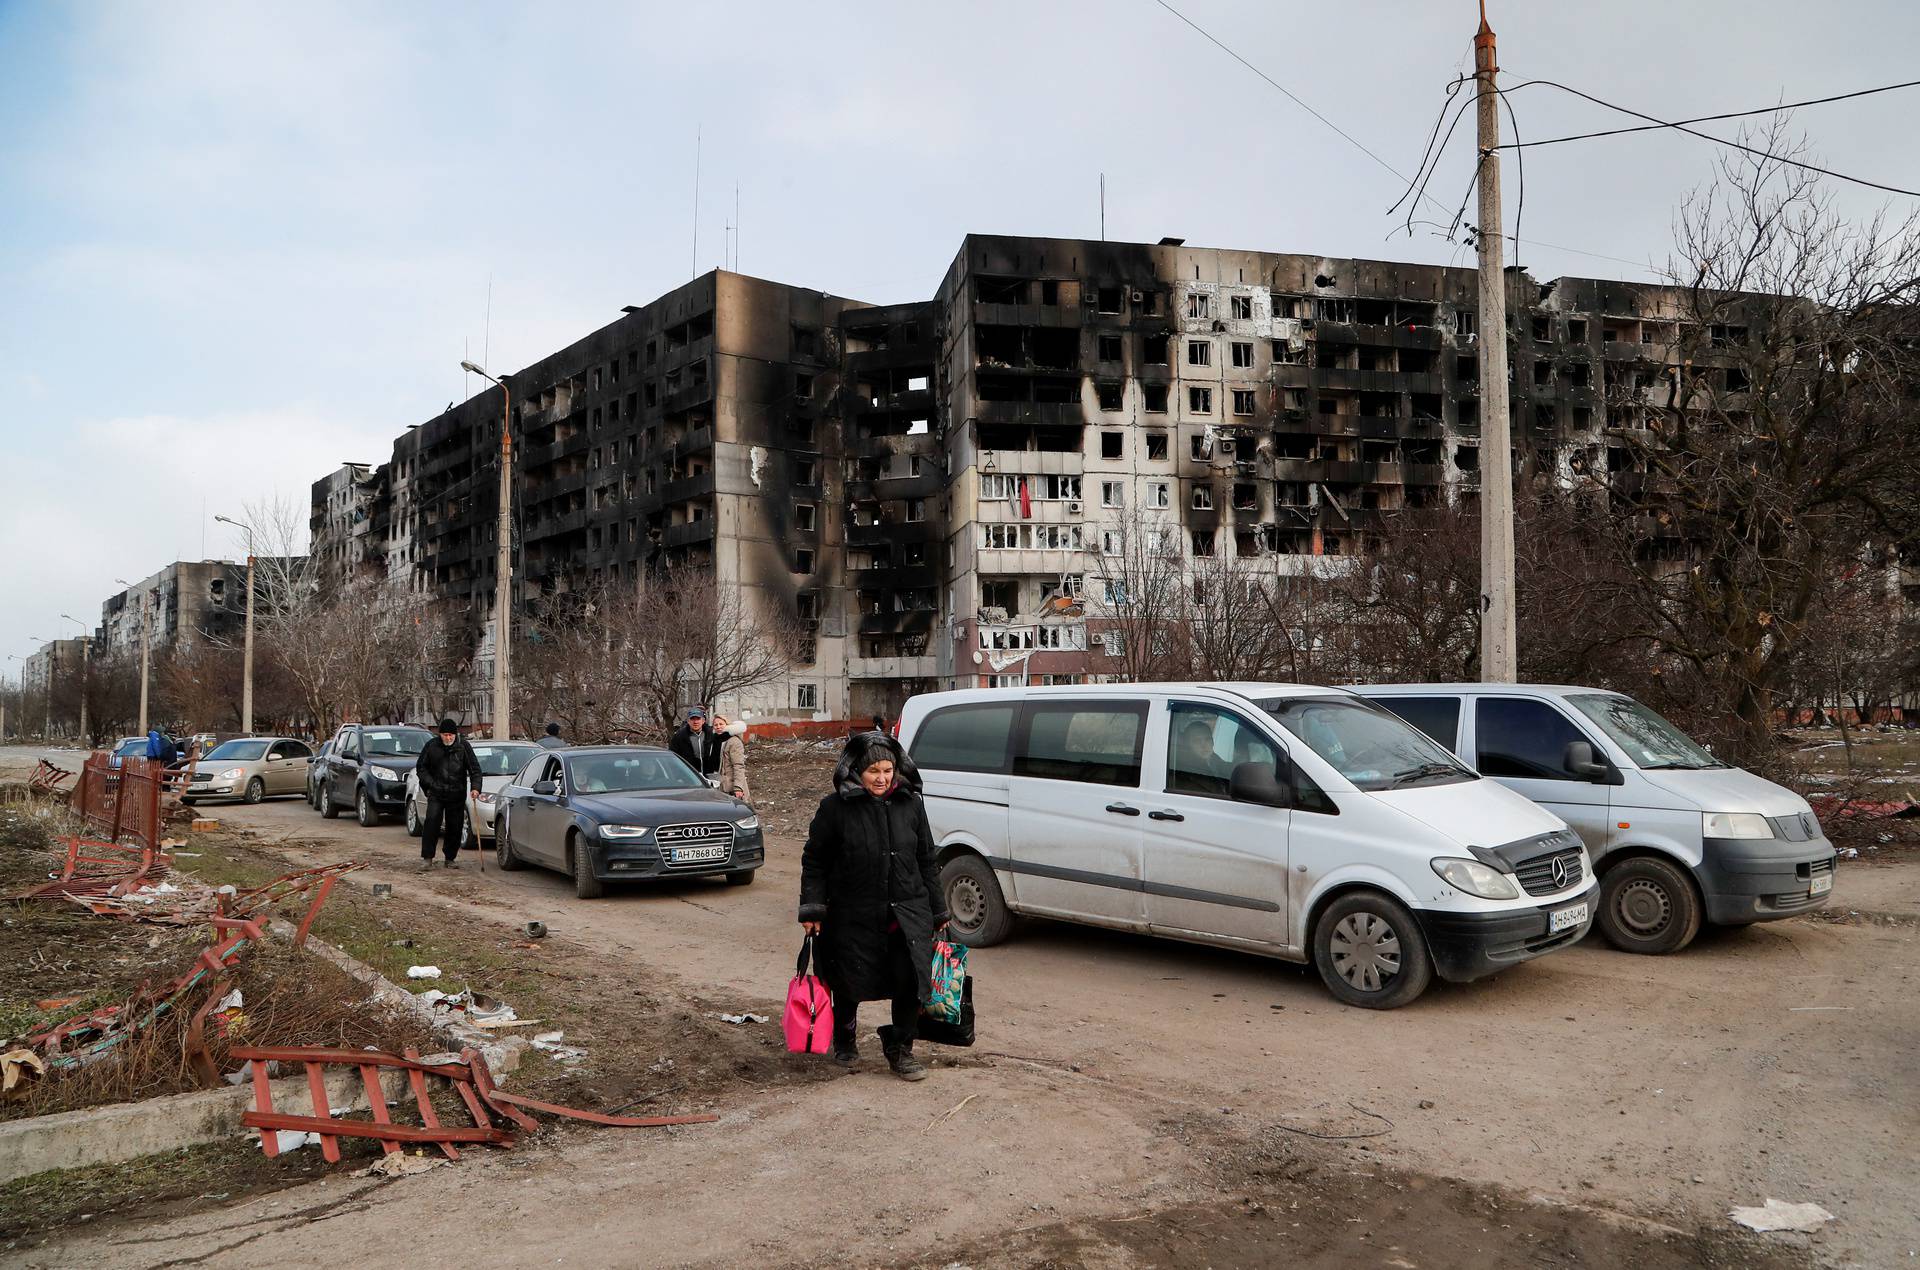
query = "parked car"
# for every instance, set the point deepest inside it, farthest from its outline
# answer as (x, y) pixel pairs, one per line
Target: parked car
(1679, 837)
(500, 762)
(618, 813)
(127, 747)
(250, 769)
(316, 768)
(366, 769)
(1296, 822)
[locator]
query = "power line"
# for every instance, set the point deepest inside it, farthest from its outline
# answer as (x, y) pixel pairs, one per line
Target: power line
(1351, 140)
(1707, 136)
(1731, 114)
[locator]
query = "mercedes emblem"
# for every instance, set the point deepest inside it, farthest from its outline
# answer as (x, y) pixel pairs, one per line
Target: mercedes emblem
(1559, 874)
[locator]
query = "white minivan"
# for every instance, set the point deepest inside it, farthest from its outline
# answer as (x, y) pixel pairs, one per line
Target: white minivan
(1296, 822)
(1678, 836)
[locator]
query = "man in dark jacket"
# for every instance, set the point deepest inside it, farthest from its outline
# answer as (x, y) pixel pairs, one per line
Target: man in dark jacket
(447, 770)
(869, 888)
(699, 747)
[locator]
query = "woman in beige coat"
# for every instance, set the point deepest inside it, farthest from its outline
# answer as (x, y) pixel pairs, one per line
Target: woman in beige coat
(733, 759)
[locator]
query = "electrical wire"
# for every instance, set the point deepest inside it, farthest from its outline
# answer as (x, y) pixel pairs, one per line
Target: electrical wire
(1520, 162)
(1707, 136)
(1731, 114)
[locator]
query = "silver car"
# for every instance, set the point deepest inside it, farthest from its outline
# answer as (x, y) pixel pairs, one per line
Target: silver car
(250, 769)
(499, 760)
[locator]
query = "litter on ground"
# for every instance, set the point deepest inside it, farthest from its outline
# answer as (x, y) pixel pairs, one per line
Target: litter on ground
(423, 972)
(743, 1018)
(1778, 1215)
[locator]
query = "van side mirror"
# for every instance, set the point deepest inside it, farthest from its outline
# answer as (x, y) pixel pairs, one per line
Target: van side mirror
(546, 789)
(1580, 761)
(1258, 783)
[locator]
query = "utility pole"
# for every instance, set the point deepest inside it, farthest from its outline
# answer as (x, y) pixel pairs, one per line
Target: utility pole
(503, 566)
(246, 664)
(1497, 657)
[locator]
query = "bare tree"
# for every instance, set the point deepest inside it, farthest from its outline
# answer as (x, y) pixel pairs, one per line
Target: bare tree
(714, 641)
(1141, 605)
(1413, 601)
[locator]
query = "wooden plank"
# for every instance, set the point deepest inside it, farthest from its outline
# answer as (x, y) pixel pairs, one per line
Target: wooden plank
(317, 1086)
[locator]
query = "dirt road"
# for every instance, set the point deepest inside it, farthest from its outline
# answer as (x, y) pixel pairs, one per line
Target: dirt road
(1776, 1061)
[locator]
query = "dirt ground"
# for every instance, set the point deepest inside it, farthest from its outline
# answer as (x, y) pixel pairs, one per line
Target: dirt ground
(1139, 1103)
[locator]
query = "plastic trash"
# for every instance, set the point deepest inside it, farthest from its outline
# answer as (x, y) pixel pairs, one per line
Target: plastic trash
(1779, 1215)
(423, 972)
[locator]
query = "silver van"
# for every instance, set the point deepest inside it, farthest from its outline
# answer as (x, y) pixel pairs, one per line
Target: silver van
(1678, 836)
(1296, 822)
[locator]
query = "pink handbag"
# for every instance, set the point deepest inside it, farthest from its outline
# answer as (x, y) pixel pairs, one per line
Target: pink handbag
(809, 1021)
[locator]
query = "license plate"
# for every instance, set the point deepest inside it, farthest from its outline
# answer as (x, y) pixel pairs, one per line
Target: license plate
(1566, 918)
(1822, 883)
(695, 855)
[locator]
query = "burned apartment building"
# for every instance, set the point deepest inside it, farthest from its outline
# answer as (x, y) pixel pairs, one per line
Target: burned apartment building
(930, 489)
(184, 603)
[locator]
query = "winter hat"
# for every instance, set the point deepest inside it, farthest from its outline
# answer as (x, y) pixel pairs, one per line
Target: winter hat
(448, 725)
(696, 712)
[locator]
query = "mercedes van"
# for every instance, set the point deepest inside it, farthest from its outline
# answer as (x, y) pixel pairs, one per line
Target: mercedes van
(1679, 837)
(1301, 823)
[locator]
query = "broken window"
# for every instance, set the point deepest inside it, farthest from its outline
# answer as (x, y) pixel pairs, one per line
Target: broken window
(804, 473)
(1203, 542)
(1466, 369)
(1112, 444)
(1200, 401)
(1577, 330)
(1580, 374)
(1246, 497)
(1113, 493)
(1153, 399)
(1110, 299)
(1464, 322)
(1583, 418)
(1001, 290)
(1736, 379)
(806, 696)
(1157, 446)
(804, 517)
(1241, 307)
(1243, 401)
(806, 342)
(803, 561)
(1332, 309)
(916, 509)
(1243, 354)
(1153, 350)
(1285, 354)
(1199, 353)
(1542, 374)
(1199, 305)
(1111, 396)
(803, 386)
(1200, 447)
(1107, 347)
(1158, 495)
(1545, 416)
(652, 393)
(1050, 292)
(1542, 330)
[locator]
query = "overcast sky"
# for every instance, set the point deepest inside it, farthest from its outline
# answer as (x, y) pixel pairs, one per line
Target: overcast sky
(240, 244)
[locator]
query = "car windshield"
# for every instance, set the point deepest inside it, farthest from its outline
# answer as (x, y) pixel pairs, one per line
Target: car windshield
(1369, 746)
(245, 750)
(503, 760)
(618, 773)
(1649, 740)
(392, 741)
(132, 745)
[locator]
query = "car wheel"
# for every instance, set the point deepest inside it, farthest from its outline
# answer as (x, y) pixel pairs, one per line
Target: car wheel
(742, 877)
(1648, 905)
(327, 808)
(585, 885)
(503, 846)
(413, 819)
(363, 809)
(1370, 952)
(256, 790)
(979, 912)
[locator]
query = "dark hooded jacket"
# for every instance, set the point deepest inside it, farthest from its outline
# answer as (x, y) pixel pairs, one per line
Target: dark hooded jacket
(869, 862)
(681, 743)
(446, 772)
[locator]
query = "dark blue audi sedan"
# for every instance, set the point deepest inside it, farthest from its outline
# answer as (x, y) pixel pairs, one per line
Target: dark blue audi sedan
(616, 813)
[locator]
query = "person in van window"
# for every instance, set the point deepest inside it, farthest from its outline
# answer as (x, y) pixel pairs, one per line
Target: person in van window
(733, 757)
(869, 888)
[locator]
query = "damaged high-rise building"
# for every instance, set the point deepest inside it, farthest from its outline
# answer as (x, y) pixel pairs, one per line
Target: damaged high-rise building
(930, 489)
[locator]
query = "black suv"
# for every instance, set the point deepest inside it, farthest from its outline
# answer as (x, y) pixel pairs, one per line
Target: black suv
(366, 768)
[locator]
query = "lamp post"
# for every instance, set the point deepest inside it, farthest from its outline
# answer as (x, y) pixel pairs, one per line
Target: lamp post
(503, 564)
(146, 662)
(246, 665)
(86, 645)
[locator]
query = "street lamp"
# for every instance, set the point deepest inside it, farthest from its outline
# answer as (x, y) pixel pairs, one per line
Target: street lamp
(86, 644)
(146, 661)
(503, 564)
(246, 672)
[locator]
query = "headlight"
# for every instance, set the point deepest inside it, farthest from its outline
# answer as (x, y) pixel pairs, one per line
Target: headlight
(624, 833)
(483, 797)
(1734, 824)
(233, 773)
(748, 825)
(1476, 878)
(383, 773)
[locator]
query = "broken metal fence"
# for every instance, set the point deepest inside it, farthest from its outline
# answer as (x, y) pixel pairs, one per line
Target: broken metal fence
(121, 798)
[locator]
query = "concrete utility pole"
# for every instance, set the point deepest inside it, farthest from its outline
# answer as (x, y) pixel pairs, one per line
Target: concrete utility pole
(1497, 656)
(503, 565)
(246, 662)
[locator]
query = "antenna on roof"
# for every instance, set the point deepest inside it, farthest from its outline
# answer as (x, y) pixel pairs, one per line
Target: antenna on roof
(696, 200)
(1103, 207)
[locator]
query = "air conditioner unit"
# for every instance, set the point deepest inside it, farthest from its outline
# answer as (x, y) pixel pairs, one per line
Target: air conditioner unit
(1073, 509)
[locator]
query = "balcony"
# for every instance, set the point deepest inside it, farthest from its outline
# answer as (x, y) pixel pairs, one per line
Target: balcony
(1026, 314)
(697, 486)
(1032, 462)
(687, 535)
(892, 667)
(1333, 470)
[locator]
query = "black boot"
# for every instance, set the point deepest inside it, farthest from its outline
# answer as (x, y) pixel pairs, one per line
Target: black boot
(900, 1057)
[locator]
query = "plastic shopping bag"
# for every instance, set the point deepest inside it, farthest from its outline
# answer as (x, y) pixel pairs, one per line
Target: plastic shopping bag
(949, 981)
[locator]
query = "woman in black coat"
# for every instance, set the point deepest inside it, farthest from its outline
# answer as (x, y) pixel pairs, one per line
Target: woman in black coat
(870, 890)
